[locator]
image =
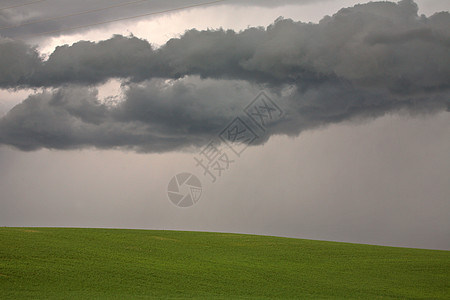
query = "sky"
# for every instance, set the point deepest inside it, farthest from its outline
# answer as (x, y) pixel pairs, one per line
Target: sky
(352, 143)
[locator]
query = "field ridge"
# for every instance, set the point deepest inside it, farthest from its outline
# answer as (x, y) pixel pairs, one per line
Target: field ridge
(86, 263)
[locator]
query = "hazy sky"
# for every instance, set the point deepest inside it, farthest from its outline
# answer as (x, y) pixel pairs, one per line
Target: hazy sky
(92, 132)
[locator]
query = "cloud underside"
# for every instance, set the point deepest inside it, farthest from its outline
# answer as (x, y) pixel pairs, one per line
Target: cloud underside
(103, 12)
(362, 62)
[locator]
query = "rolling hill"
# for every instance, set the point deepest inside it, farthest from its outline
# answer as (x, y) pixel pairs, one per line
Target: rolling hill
(74, 263)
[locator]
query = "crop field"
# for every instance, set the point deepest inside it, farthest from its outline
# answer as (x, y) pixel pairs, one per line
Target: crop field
(76, 263)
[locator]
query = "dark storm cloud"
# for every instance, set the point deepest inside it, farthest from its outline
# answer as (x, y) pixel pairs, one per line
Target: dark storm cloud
(158, 116)
(362, 62)
(11, 19)
(155, 116)
(18, 61)
(382, 45)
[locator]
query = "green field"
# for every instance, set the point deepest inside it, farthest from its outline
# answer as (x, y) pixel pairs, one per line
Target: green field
(37, 263)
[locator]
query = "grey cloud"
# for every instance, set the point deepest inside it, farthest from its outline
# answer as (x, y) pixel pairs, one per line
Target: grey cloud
(10, 19)
(18, 62)
(270, 3)
(90, 63)
(363, 62)
(381, 45)
(52, 8)
(160, 115)
(155, 116)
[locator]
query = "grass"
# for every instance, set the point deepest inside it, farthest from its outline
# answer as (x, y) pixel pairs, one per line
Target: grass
(75, 263)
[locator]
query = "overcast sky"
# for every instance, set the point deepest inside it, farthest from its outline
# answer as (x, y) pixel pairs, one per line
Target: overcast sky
(96, 120)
